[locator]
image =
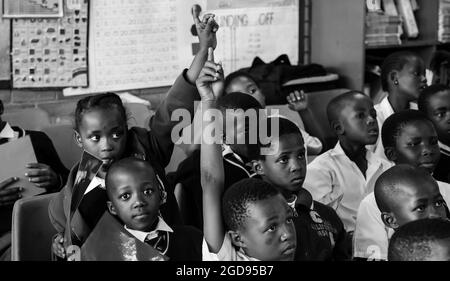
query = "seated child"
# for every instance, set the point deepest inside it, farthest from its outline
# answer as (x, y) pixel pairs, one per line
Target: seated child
(434, 101)
(409, 138)
(320, 232)
(49, 173)
(402, 77)
(101, 129)
(421, 240)
(135, 194)
(344, 175)
(259, 220)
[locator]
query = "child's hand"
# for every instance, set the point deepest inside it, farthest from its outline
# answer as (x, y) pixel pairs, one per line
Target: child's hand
(206, 30)
(210, 80)
(58, 246)
(10, 195)
(42, 175)
(297, 101)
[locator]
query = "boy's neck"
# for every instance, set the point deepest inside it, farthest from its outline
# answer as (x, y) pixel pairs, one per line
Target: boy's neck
(353, 150)
(398, 102)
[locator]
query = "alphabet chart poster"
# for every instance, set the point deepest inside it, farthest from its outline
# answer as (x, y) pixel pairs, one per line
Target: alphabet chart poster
(141, 44)
(51, 52)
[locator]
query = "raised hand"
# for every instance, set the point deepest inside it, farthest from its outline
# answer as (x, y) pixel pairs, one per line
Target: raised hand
(211, 79)
(206, 29)
(298, 101)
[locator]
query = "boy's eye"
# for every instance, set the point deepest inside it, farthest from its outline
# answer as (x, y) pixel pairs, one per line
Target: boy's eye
(148, 191)
(116, 135)
(412, 143)
(301, 156)
(125, 196)
(440, 203)
(420, 208)
(360, 115)
(290, 220)
(283, 160)
(272, 228)
(94, 138)
(252, 91)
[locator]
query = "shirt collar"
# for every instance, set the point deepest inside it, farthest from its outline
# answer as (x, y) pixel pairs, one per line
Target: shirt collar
(96, 181)
(372, 158)
(226, 149)
(141, 235)
(444, 148)
(7, 132)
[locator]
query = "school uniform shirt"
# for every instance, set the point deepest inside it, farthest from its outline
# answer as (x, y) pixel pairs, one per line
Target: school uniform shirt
(188, 174)
(384, 110)
(371, 237)
(228, 252)
(336, 181)
(320, 232)
(45, 153)
(93, 205)
(183, 243)
(442, 170)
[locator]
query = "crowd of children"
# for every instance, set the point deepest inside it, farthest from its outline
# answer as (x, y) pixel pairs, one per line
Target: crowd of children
(380, 194)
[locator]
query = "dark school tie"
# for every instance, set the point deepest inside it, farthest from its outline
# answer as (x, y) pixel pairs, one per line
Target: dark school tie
(159, 241)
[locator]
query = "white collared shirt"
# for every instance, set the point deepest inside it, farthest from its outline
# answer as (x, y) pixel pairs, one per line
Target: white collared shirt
(445, 149)
(8, 133)
(334, 180)
(384, 110)
(227, 252)
(371, 237)
(142, 235)
(96, 181)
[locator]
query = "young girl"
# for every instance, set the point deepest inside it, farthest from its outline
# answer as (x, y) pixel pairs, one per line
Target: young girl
(402, 77)
(101, 129)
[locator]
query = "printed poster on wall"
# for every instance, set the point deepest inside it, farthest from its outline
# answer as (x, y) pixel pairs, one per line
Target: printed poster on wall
(143, 44)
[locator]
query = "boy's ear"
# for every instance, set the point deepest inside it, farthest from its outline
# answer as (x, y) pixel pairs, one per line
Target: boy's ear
(111, 208)
(257, 167)
(77, 137)
(337, 127)
(389, 220)
(236, 239)
(390, 153)
(393, 77)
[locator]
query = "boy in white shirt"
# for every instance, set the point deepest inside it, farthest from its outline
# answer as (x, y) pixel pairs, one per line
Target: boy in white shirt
(344, 175)
(409, 138)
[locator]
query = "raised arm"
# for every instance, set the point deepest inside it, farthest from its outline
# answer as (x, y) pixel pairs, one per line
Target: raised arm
(210, 86)
(182, 94)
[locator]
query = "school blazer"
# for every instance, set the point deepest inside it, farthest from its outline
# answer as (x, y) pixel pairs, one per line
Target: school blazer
(154, 146)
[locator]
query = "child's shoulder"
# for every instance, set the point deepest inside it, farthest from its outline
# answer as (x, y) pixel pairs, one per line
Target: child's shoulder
(327, 213)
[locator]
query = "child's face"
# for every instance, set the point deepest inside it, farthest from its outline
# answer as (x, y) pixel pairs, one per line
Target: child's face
(417, 145)
(359, 121)
(247, 86)
(440, 250)
(135, 197)
(237, 132)
(269, 232)
(418, 201)
(103, 133)
(286, 168)
(411, 78)
(438, 110)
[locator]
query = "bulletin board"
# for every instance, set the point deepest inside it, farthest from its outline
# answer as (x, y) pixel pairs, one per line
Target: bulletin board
(142, 44)
(51, 52)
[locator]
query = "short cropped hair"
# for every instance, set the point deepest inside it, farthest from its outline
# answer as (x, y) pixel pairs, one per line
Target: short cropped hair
(427, 93)
(285, 127)
(336, 105)
(395, 61)
(414, 241)
(387, 186)
(237, 100)
(233, 75)
(393, 125)
(239, 196)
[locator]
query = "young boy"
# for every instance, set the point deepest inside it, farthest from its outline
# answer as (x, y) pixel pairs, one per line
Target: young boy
(320, 232)
(402, 77)
(344, 175)
(409, 138)
(259, 220)
(434, 101)
(135, 195)
(421, 240)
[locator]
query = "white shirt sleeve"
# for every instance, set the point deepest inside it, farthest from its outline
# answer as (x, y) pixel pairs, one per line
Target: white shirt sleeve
(371, 237)
(226, 253)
